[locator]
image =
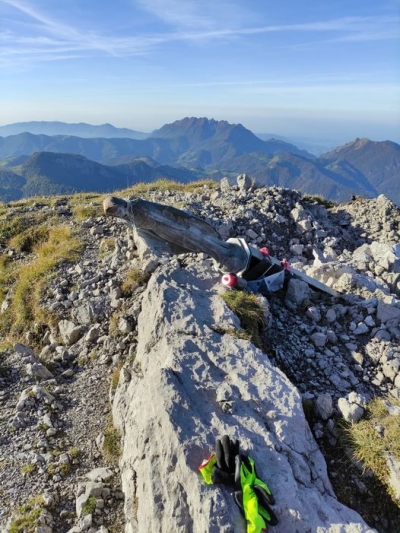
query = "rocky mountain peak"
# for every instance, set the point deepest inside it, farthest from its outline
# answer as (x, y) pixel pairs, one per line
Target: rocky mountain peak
(109, 407)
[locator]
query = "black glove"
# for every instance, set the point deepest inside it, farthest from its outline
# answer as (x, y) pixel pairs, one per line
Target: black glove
(226, 451)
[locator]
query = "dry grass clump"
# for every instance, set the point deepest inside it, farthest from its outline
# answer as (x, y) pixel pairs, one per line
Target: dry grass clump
(374, 436)
(85, 205)
(319, 199)
(115, 375)
(85, 211)
(54, 245)
(11, 226)
(141, 189)
(112, 444)
(134, 278)
(250, 311)
(6, 275)
(29, 238)
(107, 246)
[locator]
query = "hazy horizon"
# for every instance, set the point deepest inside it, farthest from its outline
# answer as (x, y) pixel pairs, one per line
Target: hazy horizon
(299, 69)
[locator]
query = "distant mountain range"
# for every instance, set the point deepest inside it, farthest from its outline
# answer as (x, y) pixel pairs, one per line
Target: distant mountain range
(191, 141)
(50, 173)
(81, 129)
(189, 149)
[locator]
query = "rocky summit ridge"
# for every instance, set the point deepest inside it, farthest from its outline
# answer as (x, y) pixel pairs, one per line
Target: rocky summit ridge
(105, 420)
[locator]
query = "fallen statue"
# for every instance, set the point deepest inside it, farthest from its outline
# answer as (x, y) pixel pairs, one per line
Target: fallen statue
(167, 229)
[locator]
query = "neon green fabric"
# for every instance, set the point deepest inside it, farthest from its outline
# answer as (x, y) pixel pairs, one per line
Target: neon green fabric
(258, 481)
(206, 469)
(254, 520)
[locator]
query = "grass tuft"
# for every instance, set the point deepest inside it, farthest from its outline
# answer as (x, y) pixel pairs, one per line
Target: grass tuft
(25, 312)
(11, 226)
(376, 434)
(89, 506)
(29, 238)
(107, 246)
(112, 444)
(85, 211)
(319, 199)
(28, 469)
(141, 189)
(250, 311)
(134, 278)
(116, 372)
(27, 516)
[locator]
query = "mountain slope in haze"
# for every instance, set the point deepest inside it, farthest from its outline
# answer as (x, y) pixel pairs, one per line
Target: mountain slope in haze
(80, 129)
(11, 185)
(49, 173)
(379, 162)
(316, 146)
(194, 148)
(105, 151)
(313, 177)
(191, 141)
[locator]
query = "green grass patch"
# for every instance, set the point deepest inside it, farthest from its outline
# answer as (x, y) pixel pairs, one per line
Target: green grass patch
(89, 506)
(27, 516)
(250, 311)
(7, 276)
(12, 226)
(83, 205)
(74, 452)
(376, 434)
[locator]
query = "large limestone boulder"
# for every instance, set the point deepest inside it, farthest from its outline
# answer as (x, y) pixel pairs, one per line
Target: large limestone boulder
(192, 383)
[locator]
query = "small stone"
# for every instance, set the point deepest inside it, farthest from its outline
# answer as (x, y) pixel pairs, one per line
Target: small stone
(330, 315)
(319, 339)
(314, 314)
(361, 329)
(324, 406)
(100, 473)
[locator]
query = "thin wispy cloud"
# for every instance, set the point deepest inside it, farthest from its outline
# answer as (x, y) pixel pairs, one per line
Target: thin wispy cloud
(39, 37)
(193, 14)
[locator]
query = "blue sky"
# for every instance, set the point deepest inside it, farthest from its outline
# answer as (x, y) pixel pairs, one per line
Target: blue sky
(315, 69)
